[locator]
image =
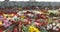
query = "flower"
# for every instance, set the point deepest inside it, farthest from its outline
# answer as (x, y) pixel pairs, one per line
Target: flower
(22, 16)
(1, 23)
(6, 23)
(33, 29)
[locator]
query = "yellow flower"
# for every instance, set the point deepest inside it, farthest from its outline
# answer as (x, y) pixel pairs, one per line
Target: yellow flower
(1, 23)
(11, 14)
(33, 29)
(22, 16)
(5, 15)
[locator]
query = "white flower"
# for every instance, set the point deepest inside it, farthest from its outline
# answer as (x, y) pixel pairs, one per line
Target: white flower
(54, 28)
(19, 12)
(37, 12)
(24, 11)
(48, 27)
(53, 24)
(58, 25)
(35, 23)
(29, 14)
(15, 18)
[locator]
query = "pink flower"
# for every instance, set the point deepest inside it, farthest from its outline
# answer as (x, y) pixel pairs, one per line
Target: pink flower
(6, 23)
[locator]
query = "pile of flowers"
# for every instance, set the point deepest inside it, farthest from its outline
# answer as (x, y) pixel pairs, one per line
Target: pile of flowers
(31, 21)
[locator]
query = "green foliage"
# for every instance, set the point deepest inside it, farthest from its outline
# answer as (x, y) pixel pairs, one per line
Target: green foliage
(25, 28)
(53, 15)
